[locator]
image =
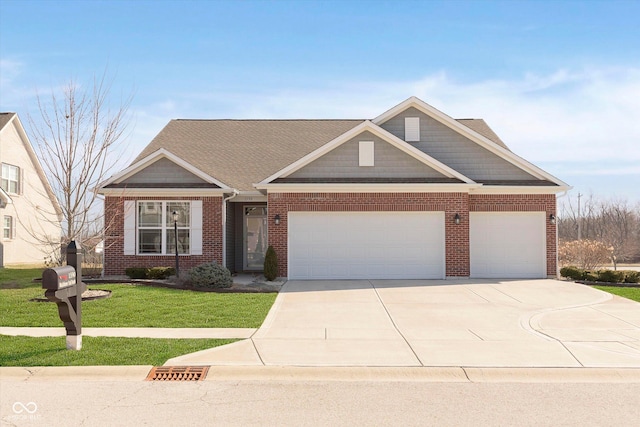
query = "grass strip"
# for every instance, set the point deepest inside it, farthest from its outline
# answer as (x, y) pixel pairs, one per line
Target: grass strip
(97, 351)
(625, 292)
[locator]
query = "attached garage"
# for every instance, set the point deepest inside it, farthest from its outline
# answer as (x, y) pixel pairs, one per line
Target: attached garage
(507, 245)
(366, 245)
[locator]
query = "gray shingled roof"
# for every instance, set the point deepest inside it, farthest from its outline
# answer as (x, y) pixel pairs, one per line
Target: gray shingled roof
(240, 153)
(4, 119)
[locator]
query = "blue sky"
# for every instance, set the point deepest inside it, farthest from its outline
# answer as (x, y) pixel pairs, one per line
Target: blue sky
(559, 81)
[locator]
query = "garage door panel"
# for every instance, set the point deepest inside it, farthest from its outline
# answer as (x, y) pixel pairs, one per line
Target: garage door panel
(507, 244)
(360, 245)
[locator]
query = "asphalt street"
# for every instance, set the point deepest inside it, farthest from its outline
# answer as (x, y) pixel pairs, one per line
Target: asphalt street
(299, 403)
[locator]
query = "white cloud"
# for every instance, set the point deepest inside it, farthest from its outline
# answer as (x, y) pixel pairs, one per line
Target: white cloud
(573, 116)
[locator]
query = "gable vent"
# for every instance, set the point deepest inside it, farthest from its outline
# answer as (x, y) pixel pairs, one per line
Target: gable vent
(412, 129)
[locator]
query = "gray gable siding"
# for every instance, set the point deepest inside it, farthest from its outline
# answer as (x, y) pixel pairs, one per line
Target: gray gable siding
(164, 171)
(342, 162)
(454, 150)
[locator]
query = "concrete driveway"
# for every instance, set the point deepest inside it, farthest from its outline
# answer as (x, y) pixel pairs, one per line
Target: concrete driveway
(483, 323)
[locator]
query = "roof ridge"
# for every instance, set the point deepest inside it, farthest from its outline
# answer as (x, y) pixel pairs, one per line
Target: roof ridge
(270, 120)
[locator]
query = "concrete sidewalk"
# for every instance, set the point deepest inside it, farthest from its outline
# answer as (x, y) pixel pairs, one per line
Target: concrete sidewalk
(222, 333)
(469, 323)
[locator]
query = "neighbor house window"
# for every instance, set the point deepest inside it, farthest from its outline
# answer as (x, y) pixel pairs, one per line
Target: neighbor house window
(10, 178)
(8, 228)
(156, 232)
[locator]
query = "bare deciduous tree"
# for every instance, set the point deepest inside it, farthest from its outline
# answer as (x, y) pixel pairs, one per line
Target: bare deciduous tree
(614, 223)
(75, 135)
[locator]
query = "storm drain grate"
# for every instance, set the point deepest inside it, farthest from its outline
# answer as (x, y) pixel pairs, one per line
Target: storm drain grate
(177, 373)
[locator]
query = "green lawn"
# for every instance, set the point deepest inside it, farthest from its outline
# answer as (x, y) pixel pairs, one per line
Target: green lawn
(630, 293)
(19, 277)
(142, 306)
(29, 351)
(128, 306)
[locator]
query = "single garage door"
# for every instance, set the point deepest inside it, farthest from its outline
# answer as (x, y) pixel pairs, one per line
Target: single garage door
(507, 244)
(366, 245)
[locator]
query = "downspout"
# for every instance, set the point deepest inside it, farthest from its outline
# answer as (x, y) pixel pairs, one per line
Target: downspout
(224, 226)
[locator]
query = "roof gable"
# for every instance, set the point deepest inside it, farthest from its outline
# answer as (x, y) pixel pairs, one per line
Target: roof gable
(368, 128)
(242, 152)
(162, 169)
(11, 122)
(469, 132)
(342, 164)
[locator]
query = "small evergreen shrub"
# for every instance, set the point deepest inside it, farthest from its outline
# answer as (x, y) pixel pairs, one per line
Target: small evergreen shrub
(611, 276)
(136, 272)
(160, 272)
(571, 272)
(604, 275)
(631, 276)
(270, 264)
(210, 275)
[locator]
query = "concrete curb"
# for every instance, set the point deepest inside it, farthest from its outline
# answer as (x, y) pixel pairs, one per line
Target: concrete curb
(329, 374)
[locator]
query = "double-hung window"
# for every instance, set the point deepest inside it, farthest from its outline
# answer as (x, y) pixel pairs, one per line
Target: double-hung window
(156, 227)
(8, 228)
(10, 181)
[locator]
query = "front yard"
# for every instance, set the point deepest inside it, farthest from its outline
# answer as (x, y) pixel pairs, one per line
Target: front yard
(128, 306)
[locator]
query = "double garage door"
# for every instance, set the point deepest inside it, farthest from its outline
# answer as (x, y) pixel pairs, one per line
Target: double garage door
(411, 245)
(366, 245)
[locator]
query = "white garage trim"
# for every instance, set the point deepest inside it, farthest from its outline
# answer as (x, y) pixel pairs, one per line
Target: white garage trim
(507, 245)
(366, 245)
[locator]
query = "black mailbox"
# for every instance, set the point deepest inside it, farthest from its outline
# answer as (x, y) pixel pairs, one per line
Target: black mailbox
(58, 278)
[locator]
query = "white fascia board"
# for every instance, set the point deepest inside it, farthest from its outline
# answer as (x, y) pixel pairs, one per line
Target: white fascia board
(317, 153)
(154, 157)
(378, 131)
(367, 188)
(469, 133)
(163, 192)
(515, 189)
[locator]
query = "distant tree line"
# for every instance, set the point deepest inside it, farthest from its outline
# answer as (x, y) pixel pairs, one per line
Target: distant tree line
(609, 227)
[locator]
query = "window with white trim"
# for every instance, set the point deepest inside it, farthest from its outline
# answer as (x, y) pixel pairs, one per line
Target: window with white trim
(156, 227)
(10, 178)
(8, 228)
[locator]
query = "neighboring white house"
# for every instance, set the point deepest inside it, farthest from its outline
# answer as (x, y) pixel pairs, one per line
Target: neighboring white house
(29, 210)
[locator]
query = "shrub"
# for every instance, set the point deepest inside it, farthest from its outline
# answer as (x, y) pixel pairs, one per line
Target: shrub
(631, 276)
(270, 264)
(210, 275)
(611, 276)
(160, 272)
(571, 272)
(136, 272)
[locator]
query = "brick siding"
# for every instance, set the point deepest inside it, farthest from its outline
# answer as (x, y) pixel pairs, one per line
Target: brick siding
(115, 262)
(456, 235)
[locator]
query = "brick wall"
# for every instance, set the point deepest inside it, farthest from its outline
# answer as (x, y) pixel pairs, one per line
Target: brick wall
(115, 262)
(456, 237)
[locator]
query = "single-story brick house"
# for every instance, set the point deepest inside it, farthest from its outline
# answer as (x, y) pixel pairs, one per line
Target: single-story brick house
(409, 194)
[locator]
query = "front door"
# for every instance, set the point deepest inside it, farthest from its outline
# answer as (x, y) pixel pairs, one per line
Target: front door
(255, 237)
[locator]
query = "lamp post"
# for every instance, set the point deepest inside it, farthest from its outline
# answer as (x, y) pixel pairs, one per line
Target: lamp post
(175, 239)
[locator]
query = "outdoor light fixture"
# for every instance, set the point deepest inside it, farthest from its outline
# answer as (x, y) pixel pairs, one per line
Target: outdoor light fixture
(175, 216)
(552, 218)
(276, 219)
(456, 219)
